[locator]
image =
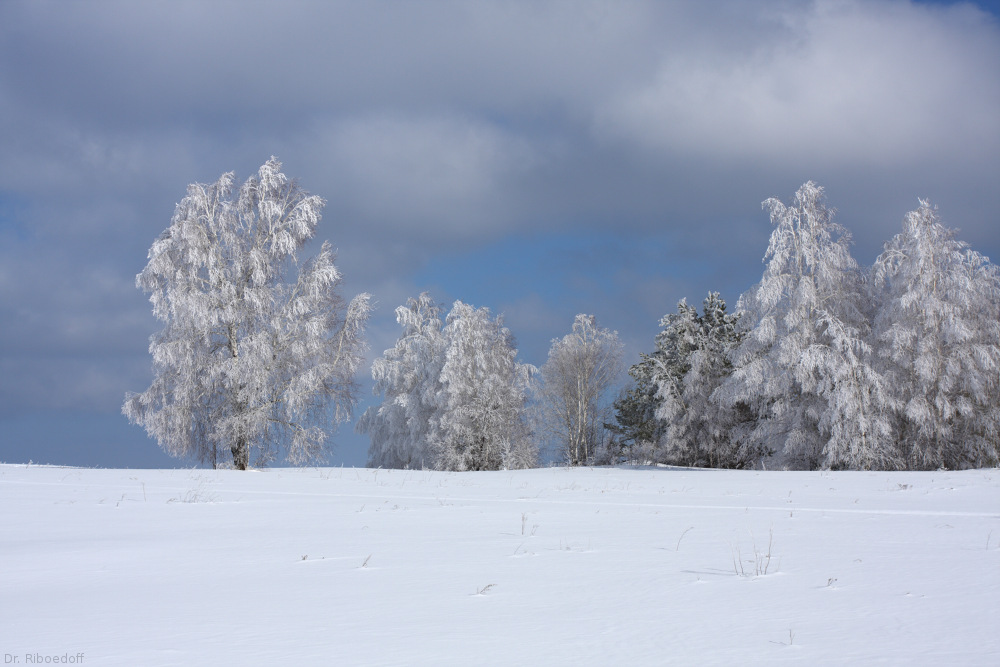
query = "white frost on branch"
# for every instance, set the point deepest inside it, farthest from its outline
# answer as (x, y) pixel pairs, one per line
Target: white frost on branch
(482, 419)
(248, 362)
(804, 367)
(581, 369)
(408, 377)
(938, 332)
(690, 363)
(454, 395)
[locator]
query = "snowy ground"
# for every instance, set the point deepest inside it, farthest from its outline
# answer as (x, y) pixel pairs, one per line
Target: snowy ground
(539, 567)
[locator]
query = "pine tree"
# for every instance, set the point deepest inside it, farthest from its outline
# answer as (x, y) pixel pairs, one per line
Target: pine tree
(635, 429)
(248, 361)
(938, 331)
(693, 364)
(680, 337)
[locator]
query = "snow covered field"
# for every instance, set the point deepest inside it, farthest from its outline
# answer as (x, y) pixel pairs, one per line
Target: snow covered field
(538, 567)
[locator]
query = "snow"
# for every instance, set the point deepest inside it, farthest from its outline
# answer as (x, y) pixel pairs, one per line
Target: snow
(548, 566)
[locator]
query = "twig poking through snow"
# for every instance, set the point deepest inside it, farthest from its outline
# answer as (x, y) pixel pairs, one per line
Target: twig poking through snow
(791, 639)
(761, 561)
(678, 547)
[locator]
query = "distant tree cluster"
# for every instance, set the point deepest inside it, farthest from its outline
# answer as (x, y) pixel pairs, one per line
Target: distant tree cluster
(827, 364)
(259, 353)
(455, 396)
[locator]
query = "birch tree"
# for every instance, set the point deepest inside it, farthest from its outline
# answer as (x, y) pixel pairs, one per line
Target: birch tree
(938, 331)
(803, 368)
(481, 418)
(258, 353)
(581, 369)
(409, 378)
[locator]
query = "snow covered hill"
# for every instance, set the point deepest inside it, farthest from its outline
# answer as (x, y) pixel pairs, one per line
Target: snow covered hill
(538, 567)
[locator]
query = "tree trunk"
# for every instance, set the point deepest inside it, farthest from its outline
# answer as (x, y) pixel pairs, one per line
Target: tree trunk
(241, 453)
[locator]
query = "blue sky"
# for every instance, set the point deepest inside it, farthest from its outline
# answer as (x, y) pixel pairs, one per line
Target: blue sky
(540, 159)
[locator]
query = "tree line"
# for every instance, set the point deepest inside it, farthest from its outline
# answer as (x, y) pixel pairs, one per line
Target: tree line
(454, 396)
(827, 364)
(824, 364)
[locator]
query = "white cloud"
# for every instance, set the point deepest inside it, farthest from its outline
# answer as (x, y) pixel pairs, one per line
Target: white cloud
(435, 175)
(834, 82)
(436, 128)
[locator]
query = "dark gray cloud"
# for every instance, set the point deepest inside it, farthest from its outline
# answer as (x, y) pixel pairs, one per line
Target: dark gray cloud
(538, 158)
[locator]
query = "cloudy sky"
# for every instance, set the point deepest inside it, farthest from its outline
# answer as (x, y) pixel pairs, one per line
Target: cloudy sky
(540, 159)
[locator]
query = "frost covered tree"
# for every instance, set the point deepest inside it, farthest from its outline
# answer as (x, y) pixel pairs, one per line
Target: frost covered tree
(804, 367)
(692, 362)
(258, 353)
(680, 337)
(409, 378)
(636, 429)
(454, 396)
(938, 331)
(581, 368)
(481, 421)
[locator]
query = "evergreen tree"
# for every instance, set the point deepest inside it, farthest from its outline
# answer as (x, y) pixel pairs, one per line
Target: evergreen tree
(693, 363)
(635, 429)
